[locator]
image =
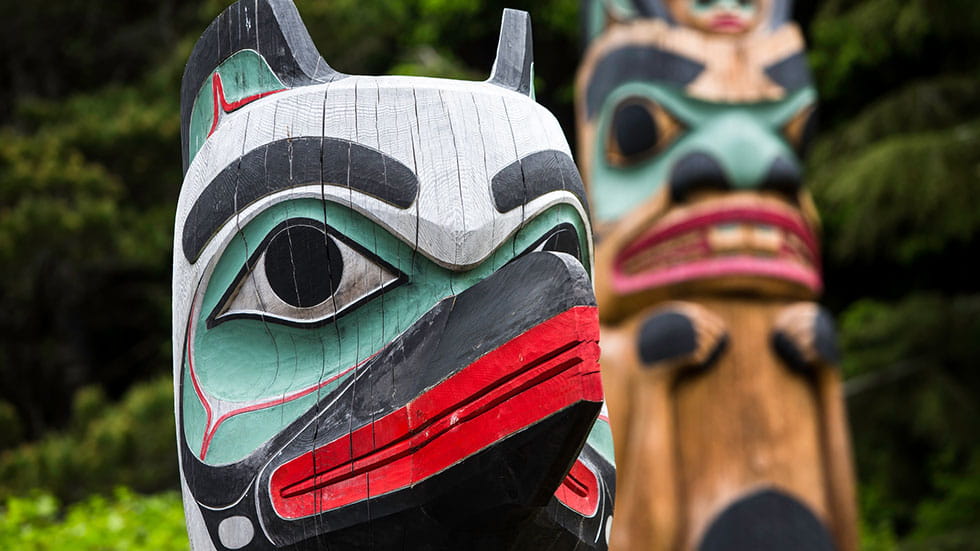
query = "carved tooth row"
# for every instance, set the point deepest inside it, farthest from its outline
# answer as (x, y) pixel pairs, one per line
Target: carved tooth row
(745, 237)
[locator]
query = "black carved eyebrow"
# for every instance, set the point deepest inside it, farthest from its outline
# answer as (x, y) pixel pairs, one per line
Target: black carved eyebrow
(792, 73)
(531, 177)
(293, 163)
(631, 63)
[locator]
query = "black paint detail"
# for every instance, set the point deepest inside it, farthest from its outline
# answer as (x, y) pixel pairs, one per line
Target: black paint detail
(792, 73)
(326, 232)
(450, 336)
(825, 337)
(634, 129)
(637, 63)
(784, 177)
(694, 172)
(824, 343)
(274, 29)
(292, 163)
(665, 336)
(768, 520)
(304, 266)
(512, 68)
(786, 349)
(527, 179)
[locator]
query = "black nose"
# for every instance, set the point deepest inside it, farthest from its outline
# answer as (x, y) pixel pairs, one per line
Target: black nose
(696, 172)
(783, 177)
(768, 520)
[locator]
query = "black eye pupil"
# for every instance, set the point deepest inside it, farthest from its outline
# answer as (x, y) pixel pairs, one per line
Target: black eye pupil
(634, 129)
(304, 266)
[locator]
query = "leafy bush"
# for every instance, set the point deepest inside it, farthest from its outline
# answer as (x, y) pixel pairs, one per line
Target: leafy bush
(130, 443)
(124, 522)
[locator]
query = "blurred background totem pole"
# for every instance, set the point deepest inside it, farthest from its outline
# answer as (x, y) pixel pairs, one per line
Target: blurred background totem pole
(719, 369)
(385, 333)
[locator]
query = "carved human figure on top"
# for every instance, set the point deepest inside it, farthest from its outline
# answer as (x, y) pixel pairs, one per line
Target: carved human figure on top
(383, 319)
(719, 368)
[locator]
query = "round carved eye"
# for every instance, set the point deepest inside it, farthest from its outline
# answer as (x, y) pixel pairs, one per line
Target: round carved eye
(304, 266)
(305, 273)
(640, 129)
(801, 129)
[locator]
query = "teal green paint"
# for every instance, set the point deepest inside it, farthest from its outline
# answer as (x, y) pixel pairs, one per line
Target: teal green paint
(226, 447)
(195, 417)
(743, 138)
(601, 440)
(248, 361)
(244, 74)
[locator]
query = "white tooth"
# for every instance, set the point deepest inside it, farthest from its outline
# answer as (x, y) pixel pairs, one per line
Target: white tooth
(765, 239)
(730, 237)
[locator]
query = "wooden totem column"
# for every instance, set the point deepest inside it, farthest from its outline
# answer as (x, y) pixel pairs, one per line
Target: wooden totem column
(719, 369)
(385, 333)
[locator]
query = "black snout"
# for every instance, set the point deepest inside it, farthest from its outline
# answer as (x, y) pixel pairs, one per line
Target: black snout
(768, 520)
(696, 172)
(784, 177)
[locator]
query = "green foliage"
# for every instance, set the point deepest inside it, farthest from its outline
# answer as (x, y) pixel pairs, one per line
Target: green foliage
(124, 522)
(130, 443)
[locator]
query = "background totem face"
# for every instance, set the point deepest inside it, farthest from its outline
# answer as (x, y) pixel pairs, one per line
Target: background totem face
(725, 404)
(674, 120)
(382, 300)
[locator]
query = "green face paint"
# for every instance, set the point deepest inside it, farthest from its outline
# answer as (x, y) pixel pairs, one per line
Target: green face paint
(271, 371)
(742, 138)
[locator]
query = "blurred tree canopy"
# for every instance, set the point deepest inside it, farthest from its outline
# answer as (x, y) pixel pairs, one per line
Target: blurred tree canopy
(90, 170)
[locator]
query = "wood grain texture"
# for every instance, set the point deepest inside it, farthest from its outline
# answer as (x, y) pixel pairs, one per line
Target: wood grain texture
(717, 447)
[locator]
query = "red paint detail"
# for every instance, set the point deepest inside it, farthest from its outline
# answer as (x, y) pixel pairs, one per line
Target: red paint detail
(718, 267)
(604, 418)
(548, 368)
(218, 96)
(212, 428)
(747, 265)
(580, 490)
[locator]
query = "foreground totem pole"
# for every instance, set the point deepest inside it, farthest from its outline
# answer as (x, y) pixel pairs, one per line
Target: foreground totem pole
(384, 324)
(719, 370)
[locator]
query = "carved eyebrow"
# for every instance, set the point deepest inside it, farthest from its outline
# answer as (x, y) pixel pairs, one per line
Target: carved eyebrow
(291, 163)
(527, 179)
(644, 63)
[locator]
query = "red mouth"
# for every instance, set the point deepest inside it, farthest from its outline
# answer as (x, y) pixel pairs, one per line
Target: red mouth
(728, 23)
(548, 368)
(756, 239)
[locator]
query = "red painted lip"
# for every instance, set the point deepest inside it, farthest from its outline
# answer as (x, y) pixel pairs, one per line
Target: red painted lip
(728, 23)
(548, 368)
(680, 250)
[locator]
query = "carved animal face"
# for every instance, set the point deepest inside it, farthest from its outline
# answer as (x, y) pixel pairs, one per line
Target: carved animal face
(377, 282)
(691, 147)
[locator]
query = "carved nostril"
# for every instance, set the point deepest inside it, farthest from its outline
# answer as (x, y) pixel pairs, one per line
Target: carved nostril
(784, 177)
(696, 172)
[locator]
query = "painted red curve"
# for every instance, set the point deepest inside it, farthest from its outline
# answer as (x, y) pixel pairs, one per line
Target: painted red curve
(218, 95)
(548, 368)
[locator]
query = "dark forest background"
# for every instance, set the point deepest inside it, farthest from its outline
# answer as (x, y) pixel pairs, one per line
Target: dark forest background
(90, 171)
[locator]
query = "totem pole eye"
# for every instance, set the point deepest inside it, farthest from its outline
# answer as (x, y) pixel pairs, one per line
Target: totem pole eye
(801, 129)
(640, 129)
(305, 274)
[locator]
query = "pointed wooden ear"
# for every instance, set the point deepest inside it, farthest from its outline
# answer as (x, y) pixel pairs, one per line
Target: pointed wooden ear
(514, 67)
(271, 34)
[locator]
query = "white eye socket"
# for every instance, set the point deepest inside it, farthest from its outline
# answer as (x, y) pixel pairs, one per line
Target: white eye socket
(305, 274)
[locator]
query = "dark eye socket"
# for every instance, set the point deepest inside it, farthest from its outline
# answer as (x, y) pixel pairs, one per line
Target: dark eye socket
(640, 128)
